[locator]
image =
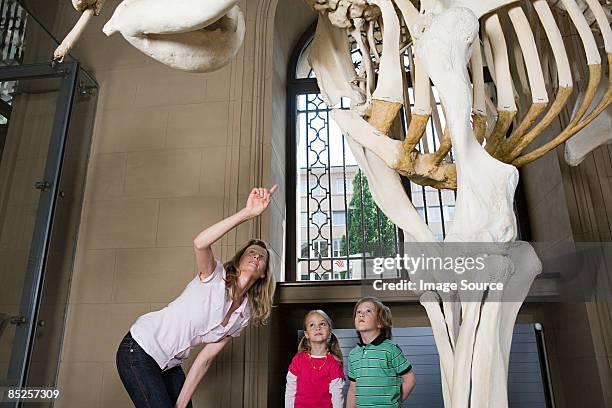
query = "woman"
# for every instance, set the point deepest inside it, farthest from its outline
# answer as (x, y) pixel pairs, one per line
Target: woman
(214, 307)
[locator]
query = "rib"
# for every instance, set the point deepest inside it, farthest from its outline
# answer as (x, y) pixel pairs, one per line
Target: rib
(371, 41)
(479, 110)
(415, 132)
(504, 120)
(565, 84)
(535, 76)
(606, 32)
(476, 70)
(479, 123)
(594, 64)
(506, 107)
(383, 114)
(602, 22)
(603, 104)
(387, 99)
(356, 33)
(444, 148)
(422, 107)
(584, 31)
(571, 129)
(435, 116)
(563, 95)
(409, 13)
(593, 60)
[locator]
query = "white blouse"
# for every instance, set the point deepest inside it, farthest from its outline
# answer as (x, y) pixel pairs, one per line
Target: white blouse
(193, 318)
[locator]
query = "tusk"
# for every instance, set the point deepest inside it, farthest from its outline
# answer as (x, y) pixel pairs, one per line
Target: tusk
(73, 36)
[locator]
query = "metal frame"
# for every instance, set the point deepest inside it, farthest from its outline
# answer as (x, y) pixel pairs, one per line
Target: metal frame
(291, 163)
(544, 366)
(31, 295)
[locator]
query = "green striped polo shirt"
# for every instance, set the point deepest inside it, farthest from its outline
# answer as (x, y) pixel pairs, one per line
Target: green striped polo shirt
(377, 370)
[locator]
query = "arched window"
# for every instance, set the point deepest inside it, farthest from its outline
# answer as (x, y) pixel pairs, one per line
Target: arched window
(334, 227)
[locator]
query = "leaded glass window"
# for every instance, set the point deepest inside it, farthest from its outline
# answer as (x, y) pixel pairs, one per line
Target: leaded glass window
(339, 229)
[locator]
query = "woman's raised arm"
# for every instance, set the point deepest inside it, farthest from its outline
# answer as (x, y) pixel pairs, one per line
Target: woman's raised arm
(258, 201)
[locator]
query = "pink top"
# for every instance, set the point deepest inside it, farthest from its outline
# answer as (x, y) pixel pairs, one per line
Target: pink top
(191, 319)
(317, 379)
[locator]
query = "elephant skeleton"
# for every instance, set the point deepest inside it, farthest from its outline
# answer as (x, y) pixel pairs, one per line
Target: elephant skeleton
(473, 332)
(532, 83)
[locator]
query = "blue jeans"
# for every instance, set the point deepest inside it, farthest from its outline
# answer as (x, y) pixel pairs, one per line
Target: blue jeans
(147, 385)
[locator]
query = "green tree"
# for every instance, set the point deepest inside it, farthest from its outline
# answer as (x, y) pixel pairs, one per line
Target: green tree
(373, 233)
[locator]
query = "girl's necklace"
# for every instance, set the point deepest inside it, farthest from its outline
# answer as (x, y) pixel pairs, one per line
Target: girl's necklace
(314, 366)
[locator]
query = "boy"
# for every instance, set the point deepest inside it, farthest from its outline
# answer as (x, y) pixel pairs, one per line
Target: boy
(379, 373)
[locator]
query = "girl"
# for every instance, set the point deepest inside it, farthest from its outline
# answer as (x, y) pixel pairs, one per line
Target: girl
(215, 306)
(316, 378)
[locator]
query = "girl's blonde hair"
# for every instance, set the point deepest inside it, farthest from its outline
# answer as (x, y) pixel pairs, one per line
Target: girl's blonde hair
(333, 345)
(261, 294)
(383, 316)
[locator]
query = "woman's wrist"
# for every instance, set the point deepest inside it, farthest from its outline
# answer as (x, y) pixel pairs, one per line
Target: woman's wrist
(247, 214)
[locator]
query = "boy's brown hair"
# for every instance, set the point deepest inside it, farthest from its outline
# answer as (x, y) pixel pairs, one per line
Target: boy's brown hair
(383, 316)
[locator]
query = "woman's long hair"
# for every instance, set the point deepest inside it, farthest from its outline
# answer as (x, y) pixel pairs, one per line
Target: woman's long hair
(260, 295)
(333, 345)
